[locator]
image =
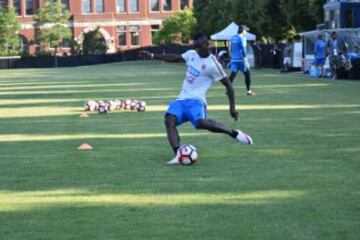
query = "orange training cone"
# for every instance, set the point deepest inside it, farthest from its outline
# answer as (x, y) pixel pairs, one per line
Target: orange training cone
(85, 146)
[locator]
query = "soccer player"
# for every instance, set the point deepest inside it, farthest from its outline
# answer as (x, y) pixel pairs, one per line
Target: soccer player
(239, 61)
(203, 70)
(320, 55)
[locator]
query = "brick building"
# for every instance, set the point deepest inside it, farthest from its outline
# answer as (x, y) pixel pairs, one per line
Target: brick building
(124, 24)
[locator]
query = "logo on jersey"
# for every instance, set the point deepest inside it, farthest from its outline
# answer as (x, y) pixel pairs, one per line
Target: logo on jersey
(193, 71)
(203, 67)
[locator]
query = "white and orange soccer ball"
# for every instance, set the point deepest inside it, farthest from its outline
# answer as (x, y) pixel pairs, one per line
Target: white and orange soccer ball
(187, 155)
(90, 105)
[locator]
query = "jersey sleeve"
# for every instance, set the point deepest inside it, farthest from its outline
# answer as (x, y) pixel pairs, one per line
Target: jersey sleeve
(216, 72)
(186, 56)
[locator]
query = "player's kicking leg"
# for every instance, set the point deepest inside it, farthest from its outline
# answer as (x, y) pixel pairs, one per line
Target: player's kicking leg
(216, 127)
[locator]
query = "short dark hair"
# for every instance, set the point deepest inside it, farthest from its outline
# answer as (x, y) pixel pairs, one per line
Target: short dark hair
(319, 36)
(242, 28)
(333, 33)
(199, 36)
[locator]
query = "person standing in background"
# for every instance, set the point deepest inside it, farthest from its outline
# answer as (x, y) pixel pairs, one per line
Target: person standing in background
(239, 61)
(275, 54)
(257, 53)
(320, 55)
(335, 49)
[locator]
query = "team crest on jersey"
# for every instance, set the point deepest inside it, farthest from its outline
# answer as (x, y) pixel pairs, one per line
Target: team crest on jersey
(203, 67)
(193, 71)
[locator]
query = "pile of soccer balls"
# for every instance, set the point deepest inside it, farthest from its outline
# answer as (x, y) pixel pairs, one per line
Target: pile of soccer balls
(115, 105)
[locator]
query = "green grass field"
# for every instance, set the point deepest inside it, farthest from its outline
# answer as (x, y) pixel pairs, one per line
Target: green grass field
(301, 179)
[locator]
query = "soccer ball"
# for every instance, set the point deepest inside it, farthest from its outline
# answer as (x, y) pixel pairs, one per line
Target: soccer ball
(111, 105)
(127, 104)
(90, 105)
(187, 154)
(133, 105)
(141, 106)
(102, 107)
(118, 104)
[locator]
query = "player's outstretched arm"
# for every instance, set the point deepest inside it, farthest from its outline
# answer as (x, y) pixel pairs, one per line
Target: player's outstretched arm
(231, 95)
(163, 57)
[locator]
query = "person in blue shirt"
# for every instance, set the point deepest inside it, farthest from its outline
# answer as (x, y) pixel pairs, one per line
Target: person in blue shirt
(355, 55)
(239, 61)
(320, 55)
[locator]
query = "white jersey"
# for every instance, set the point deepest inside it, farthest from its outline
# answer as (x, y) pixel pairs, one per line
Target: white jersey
(201, 73)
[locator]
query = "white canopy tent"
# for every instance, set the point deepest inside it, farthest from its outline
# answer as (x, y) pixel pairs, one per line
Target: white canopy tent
(229, 32)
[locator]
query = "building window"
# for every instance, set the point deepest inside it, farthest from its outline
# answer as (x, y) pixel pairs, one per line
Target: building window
(155, 5)
(24, 44)
(184, 4)
(17, 6)
(66, 4)
(121, 7)
(135, 35)
(134, 6)
(154, 30)
(167, 5)
(3, 4)
(65, 43)
(29, 7)
(121, 35)
(99, 6)
(86, 6)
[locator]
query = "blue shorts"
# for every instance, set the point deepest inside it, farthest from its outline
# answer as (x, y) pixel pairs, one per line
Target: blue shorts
(319, 61)
(237, 66)
(185, 110)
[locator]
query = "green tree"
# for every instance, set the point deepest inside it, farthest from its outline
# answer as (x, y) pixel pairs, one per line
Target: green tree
(9, 30)
(250, 13)
(297, 13)
(268, 19)
(274, 24)
(51, 22)
(94, 42)
(178, 27)
(212, 15)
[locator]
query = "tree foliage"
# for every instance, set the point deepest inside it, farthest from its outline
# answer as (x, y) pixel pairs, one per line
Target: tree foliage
(303, 15)
(176, 28)
(9, 30)
(269, 19)
(94, 42)
(51, 23)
